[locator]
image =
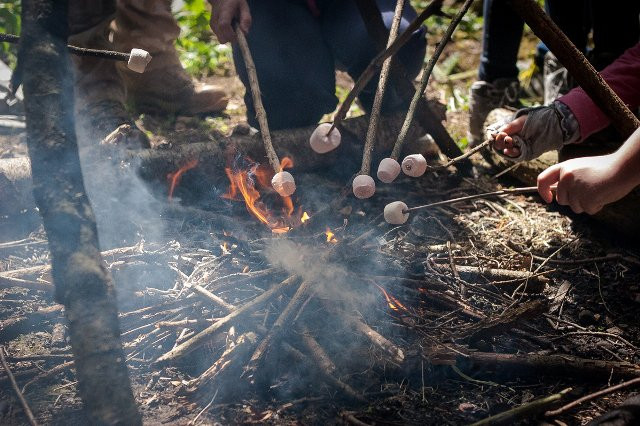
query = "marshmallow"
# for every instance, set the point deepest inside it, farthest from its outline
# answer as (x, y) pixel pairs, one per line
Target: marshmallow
(393, 213)
(388, 170)
(138, 60)
(320, 142)
(364, 186)
(284, 184)
(414, 165)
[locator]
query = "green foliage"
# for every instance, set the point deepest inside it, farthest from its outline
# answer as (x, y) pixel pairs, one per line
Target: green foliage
(200, 53)
(10, 24)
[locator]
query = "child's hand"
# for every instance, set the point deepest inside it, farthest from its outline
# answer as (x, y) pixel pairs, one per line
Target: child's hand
(503, 142)
(586, 184)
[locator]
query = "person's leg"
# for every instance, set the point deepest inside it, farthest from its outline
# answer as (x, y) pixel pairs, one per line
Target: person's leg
(500, 42)
(498, 74)
(353, 48)
(573, 19)
(164, 86)
(615, 29)
(294, 65)
(100, 92)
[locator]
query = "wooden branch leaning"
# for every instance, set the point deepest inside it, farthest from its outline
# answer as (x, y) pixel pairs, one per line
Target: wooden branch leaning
(577, 65)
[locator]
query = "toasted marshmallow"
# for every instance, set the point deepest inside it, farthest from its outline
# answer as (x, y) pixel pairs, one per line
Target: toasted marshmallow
(414, 165)
(393, 213)
(284, 184)
(321, 142)
(364, 186)
(388, 170)
(138, 60)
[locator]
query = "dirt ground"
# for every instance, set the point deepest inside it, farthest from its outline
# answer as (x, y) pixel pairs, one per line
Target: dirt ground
(586, 305)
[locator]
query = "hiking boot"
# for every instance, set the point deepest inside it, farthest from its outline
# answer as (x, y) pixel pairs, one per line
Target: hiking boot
(556, 79)
(164, 87)
(100, 94)
(485, 97)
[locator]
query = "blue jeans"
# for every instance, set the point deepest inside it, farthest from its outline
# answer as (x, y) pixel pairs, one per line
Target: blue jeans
(615, 29)
(296, 53)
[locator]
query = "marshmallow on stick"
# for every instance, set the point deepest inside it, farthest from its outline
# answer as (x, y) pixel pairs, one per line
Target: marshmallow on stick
(138, 60)
(415, 164)
(323, 140)
(282, 182)
(362, 189)
(397, 212)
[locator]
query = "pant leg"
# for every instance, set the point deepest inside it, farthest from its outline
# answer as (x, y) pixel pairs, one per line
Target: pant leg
(616, 28)
(353, 48)
(500, 41)
(294, 64)
(573, 19)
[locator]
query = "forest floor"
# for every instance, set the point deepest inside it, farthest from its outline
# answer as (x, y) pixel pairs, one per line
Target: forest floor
(394, 279)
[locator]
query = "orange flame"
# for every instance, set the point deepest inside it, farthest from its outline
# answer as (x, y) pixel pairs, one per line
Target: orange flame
(330, 236)
(393, 303)
(244, 183)
(174, 178)
(305, 217)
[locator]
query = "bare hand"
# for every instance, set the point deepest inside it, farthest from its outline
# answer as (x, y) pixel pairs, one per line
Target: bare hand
(224, 13)
(503, 141)
(585, 184)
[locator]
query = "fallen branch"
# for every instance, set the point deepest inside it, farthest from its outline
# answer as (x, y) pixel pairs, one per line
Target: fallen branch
(528, 410)
(592, 396)
(205, 335)
(535, 282)
(564, 365)
(16, 389)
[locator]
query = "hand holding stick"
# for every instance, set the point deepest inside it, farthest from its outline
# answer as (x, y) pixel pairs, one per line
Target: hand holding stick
(282, 181)
(363, 185)
(415, 165)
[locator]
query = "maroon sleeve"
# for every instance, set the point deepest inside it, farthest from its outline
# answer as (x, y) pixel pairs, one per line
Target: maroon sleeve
(623, 75)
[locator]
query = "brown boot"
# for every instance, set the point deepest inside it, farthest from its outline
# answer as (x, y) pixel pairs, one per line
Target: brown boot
(165, 85)
(100, 95)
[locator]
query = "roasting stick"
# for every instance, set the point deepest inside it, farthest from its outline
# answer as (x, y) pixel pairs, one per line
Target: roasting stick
(397, 212)
(363, 185)
(137, 60)
(282, 181)
(416, 165)
(432, 9)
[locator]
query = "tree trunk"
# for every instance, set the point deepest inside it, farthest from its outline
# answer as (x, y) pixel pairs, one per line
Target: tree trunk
(82, 282)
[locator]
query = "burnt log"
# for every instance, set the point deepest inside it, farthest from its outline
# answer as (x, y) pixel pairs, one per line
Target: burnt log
(155, 164)
(83, 284)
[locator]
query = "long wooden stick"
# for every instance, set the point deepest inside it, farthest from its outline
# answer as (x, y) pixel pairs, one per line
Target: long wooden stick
(261, 114)
(432, 9)
(16, 389)
(577, 65)
(591, 396)
(365, 168)
(511, 191)
(426, 74)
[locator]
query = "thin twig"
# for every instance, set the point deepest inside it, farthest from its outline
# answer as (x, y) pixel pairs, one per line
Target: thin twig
(511, 191)
(525, 410)
(79, 51)
(261, 114)
(365, 168)
(426, 73)
(592, 396)
(16, 389)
